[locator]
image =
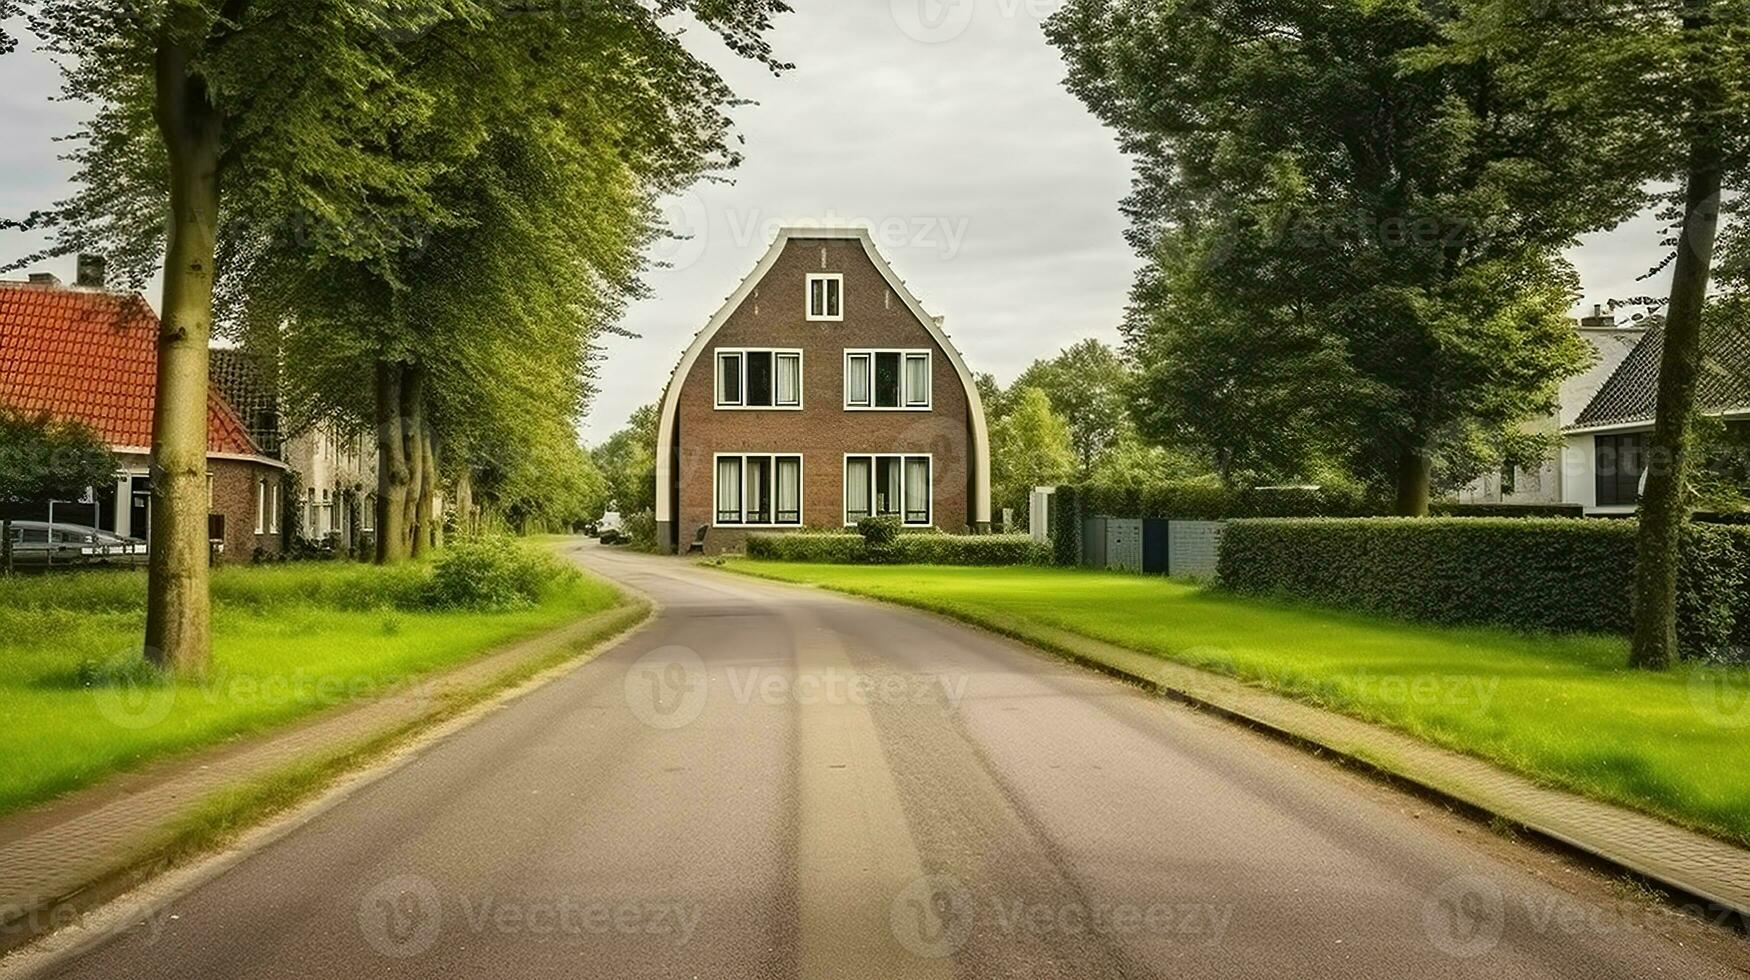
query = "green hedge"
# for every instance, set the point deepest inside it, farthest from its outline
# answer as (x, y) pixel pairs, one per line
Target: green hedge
(1539, 574)
(1450, 508)
(907, 549)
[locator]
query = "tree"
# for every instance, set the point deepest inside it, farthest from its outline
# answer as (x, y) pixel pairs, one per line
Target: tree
(207, 110)
(1303, 175)
(1664, 86)
(1089, 387)
(627, 461)
(42, 459)
(1030, 447)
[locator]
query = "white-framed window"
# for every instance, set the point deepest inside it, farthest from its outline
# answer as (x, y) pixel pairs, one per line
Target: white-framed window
(267, 506)
(888, 380)
(882, 485)
(826, 296)
(368, 513)
(750, 377)
(757, 490)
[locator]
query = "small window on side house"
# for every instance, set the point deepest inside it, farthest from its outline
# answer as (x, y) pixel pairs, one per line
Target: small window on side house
(826, 297)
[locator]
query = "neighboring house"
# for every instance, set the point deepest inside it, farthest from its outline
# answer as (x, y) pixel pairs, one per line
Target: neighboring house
(89, 354)
(821, 393)
(1607, 444)
(1550, 481)
(335, 475)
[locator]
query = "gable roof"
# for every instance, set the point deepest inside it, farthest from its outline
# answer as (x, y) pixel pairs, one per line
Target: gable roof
(671, 396)
(1631, 393)
(92, 356)
(247, 384)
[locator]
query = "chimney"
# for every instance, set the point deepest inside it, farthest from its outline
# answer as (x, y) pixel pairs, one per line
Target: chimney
(1599, 320)
(44, 279)
(93, 271)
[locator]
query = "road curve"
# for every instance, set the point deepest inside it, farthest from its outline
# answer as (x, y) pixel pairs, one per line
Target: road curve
(776, 782)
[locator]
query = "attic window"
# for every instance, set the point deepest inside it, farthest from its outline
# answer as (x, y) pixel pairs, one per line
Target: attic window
(826, 297)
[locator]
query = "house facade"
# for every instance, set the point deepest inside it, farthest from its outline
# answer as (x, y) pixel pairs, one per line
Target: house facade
(334, 475)
(89, 354)
(820, 393)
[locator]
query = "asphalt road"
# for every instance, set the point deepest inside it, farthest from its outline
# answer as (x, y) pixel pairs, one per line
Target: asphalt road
(774, 782)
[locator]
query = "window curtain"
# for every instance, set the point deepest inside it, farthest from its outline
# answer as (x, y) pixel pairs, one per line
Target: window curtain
(917, 380)
(759, 502)
(889, 486)
(917, 491)
(789, 379)
(857, 380)
(857, 488)
(729, 490)
(789, 490)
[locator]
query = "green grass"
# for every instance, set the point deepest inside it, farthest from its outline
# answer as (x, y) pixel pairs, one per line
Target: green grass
(1562, 709)
(76, 704)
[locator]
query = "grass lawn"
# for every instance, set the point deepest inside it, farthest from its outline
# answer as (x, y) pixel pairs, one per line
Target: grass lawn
(287, 641)
(1562, 709)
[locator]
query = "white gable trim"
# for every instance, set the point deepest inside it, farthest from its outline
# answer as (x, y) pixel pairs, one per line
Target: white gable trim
(671, 397)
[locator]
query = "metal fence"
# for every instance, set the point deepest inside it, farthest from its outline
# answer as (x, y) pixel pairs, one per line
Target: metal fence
(1180, 549)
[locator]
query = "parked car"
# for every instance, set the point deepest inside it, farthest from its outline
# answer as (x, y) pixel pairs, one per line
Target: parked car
(38, 544)
(611, 529)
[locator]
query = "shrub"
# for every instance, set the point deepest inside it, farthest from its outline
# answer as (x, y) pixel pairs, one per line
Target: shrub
(1539, 574)
(492, 574)
(827, 549)
(905, 549)
(640, 530)
(879, 532)
(1452, 508)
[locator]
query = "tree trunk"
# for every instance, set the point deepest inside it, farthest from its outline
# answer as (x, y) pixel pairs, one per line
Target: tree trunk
(465, 500)
(1663, 505)
(177, 602)
(6, 547)
(413, 449)
(428, 500)
(392, 471)
(1413, 479)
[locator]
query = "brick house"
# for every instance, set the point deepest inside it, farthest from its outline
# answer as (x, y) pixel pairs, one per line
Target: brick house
(820, 393)
(90, 354)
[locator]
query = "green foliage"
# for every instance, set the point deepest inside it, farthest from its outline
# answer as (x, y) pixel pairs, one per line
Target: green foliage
(1030, 447)
(1448, 508)
(830, 548)
(640, 530)
(1208, 501)
(493, 574)
(879, 532)
(42, 458)
(627, 461)
(1556, 575)
(902, 549)
(1088, 386)
(1352, 255)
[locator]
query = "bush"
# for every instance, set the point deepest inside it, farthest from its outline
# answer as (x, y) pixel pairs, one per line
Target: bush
(1537, 574)
(1452, 508)
(879, 532)
(905, 549)
(825, 549)
(492, 574)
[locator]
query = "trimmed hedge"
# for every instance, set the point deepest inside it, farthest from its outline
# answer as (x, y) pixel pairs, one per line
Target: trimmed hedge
(1451, 508)
(906, 549)
(1523, 573)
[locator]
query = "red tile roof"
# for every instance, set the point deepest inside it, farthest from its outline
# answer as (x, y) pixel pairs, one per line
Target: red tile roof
(92, 356)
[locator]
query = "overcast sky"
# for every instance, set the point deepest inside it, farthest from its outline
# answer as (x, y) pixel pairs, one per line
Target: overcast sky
(943, 125)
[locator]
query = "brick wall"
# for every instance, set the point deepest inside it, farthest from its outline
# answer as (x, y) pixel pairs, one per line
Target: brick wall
(822, 431)
(234, 495)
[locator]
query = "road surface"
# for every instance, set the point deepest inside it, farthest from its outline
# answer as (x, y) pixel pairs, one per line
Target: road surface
(775, 782)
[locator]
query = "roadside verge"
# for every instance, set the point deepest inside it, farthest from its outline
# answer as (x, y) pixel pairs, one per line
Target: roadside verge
(69, 856)
(1681, 860)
